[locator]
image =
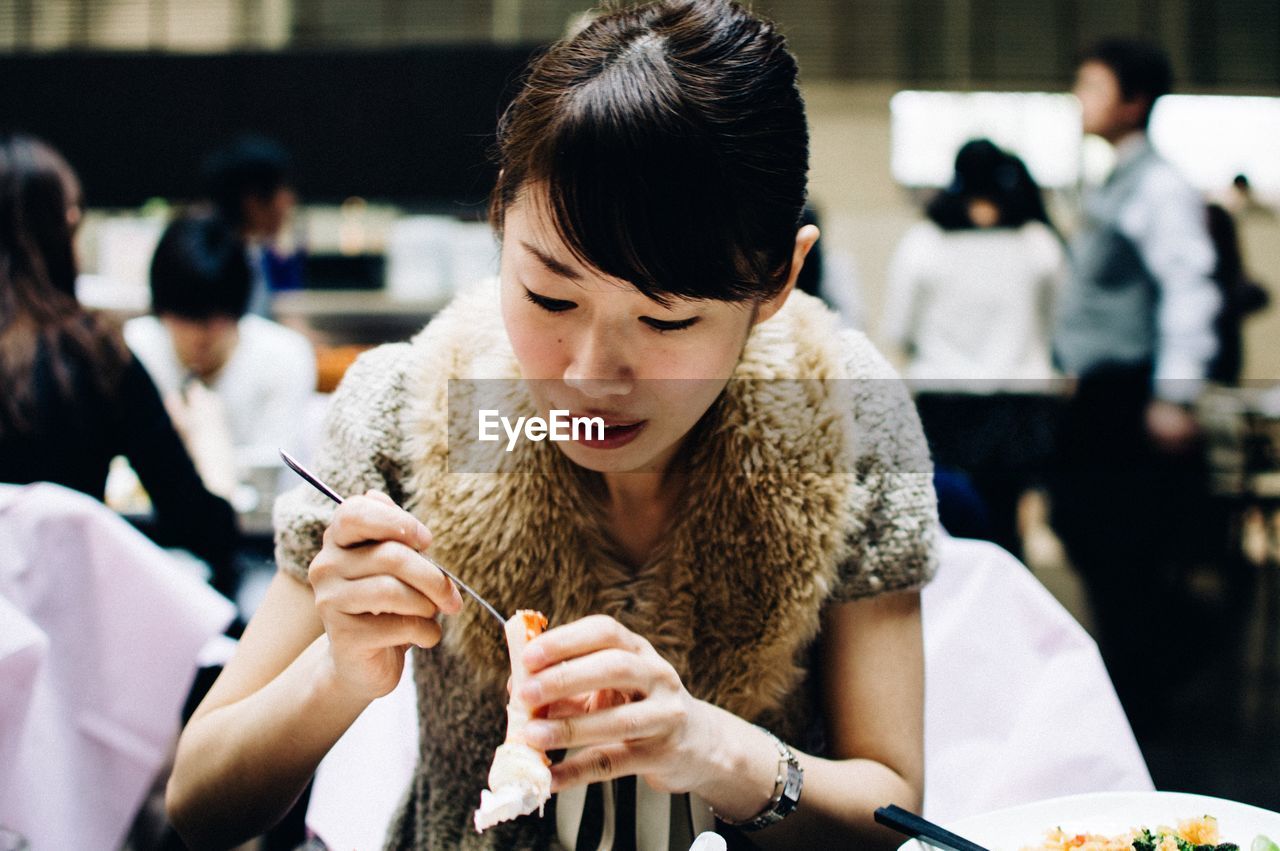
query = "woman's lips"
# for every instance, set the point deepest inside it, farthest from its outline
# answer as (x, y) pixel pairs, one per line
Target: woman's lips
(616, 434)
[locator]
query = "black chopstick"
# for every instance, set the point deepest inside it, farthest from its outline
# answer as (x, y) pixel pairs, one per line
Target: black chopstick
(917, 827)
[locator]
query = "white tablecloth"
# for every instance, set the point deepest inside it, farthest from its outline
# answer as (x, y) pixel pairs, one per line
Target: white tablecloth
(1018, 707)
(22, 651)
(99, 633)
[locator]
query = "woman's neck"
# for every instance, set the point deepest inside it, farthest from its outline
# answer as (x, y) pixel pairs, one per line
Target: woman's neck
(654, 484)
(639, 507)
(633, 490)
(638, 510)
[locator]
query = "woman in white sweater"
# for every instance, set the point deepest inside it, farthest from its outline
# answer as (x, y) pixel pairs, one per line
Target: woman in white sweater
(970, 302)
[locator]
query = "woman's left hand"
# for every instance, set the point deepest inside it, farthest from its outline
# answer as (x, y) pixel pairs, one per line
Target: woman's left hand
(607, 691)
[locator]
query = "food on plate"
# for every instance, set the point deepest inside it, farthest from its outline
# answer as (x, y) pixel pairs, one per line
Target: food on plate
(1197, 834)
(520, 776)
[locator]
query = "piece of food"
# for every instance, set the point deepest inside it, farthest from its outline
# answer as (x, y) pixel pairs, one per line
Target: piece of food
(520, 776)
(1197, 834)
(1262, 843)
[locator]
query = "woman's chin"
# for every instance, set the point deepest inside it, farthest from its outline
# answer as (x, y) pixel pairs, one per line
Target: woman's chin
(625, 459)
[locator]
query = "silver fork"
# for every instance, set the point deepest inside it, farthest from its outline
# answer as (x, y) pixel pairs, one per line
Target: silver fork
(333, 495)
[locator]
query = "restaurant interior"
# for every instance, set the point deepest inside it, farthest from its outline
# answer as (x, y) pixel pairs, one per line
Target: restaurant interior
(387, 112)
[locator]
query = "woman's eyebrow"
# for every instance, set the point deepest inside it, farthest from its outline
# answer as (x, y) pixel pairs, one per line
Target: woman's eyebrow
(552, 265)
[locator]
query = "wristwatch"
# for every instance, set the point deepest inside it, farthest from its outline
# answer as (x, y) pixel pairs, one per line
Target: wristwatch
(786, 790)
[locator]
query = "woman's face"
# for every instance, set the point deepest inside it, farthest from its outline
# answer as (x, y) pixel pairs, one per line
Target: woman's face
(596, 346)
(983, 213)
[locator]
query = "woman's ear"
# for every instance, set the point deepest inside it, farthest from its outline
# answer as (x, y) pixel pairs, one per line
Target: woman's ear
(805, 239)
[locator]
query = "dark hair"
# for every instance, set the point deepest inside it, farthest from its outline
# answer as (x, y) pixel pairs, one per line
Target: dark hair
(1141, 69)
(38, 307)
(250, 166)
(671, 143)
(986, 171)
(200, 270)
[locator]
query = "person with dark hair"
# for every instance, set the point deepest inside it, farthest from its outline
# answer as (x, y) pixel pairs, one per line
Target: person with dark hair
(730, 562)
(1136, 329)
(234, 382)
(1241, 296)
(991, 188)
(250, 182)
(72, 396)
(970, 298)
(1118, 83)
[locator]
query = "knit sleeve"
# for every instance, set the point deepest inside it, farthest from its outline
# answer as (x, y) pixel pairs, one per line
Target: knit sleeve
(361, 448)
(893, 539)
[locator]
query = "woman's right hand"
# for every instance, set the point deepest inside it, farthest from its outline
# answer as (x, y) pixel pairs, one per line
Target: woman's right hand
(376, 594)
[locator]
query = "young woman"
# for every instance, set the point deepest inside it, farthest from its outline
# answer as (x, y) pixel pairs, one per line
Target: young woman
(739, 553)
(970, 300)
(72, 397)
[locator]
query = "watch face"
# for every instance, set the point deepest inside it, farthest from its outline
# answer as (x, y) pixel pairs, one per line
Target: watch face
(791, 790)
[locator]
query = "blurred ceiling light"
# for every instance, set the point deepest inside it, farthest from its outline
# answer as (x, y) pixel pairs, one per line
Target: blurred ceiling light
(928, 128)
(1212, 138)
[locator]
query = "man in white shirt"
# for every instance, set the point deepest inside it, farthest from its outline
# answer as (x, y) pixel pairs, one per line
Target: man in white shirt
(1135, 326)
(208, 358)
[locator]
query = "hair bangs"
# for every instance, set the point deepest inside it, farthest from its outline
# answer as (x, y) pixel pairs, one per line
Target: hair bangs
(668, 147)
(635, 191)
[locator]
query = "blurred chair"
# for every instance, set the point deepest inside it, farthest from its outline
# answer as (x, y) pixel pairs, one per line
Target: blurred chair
(1242, 430)
(1018, 707)
(118, 626)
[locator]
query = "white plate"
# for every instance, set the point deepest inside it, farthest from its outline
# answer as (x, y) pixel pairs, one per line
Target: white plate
(1109, 813)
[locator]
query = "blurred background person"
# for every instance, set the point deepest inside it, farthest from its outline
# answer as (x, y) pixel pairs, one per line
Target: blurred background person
(226, 375)
(1241, 296)
(72, 397)
(1136, 328)
(969, 300)
(235, 385)
(250, 184)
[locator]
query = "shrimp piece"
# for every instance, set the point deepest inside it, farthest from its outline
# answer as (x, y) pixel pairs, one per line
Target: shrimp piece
(520, 776)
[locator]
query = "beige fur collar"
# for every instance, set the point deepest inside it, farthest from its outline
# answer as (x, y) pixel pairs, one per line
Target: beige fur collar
(735, 592)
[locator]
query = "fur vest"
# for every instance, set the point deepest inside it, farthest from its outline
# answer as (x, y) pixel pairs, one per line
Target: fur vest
(808, 484)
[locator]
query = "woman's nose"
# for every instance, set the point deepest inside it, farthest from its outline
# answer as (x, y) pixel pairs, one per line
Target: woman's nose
(599, 366)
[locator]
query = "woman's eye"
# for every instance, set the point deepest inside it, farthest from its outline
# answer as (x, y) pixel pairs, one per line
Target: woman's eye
(668, 325)
(551, 305)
